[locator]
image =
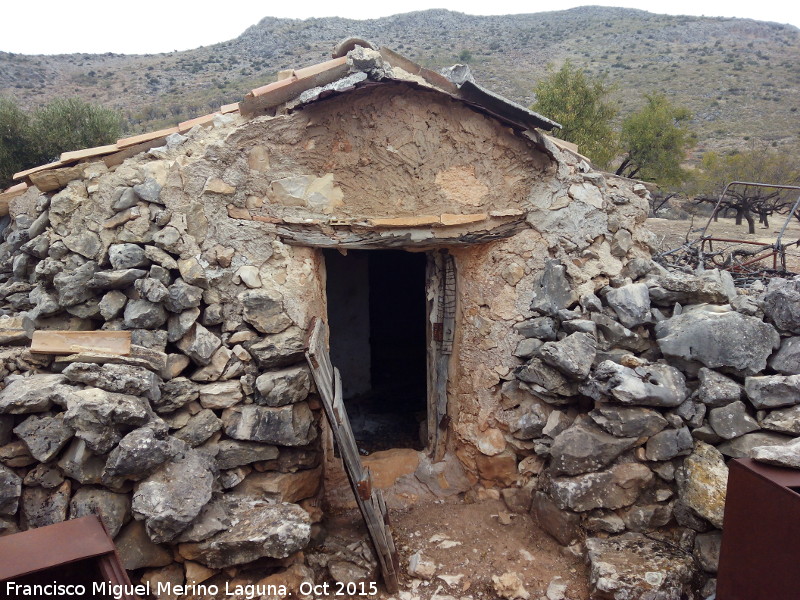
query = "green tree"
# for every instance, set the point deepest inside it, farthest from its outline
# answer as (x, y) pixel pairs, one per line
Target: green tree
(28, 140)
(579, 103)
(71, 124)
(15, 147)
(655, 140)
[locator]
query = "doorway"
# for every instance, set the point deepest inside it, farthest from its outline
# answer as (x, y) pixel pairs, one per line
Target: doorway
(377, 317)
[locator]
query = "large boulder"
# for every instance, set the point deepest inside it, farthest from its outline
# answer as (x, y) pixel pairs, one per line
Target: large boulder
(668, 444)
(33, 394)
(632, 566)
(615, 488)
(717, 390)
(703, 481)
(44, 435)
(278, 350)
(113, 509)
(732, 420)
(287, 386)
(773, 391)
(573, 355)
(255, 529)
(628, 421)
(290, 425)
(139, 453)
(125, 379)
(715, 287)
(631, 303)
(264, 310)
(782, 304)
(583, 448)
(170, 499)
(98, 416)
(718, 338)
(551, 290)
(787, 359)
(647, 385)
(787, 455)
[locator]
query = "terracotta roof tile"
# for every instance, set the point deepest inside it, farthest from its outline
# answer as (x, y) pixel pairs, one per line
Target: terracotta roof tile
(278, 92)
(204, 120)
(229, 108)
(88, 153)
(145, 137)
(48, 166)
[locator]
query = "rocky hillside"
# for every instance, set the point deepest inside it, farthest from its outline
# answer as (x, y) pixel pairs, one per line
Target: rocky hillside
(740, 77)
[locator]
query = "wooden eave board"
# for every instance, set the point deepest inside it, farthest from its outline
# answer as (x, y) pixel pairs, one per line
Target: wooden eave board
(88, 153)
(71, 342)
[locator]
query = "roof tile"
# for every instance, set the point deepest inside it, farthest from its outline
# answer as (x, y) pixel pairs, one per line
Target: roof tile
(145, 137)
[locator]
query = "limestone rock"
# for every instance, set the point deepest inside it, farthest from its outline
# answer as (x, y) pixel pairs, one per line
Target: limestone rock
(175, 393)
(151, 289)
(624, 421)
(785, 420)
(716, 389)
(139, 453)
(787, 455)
(113, 509)
(149, 191)
(73, 287)
(632, 566)
(180, 324)
(10, 491)
(547, 381)
(782, 304)
(732, 420)
(183, 296)
(631, 303)
(541, 328)
(706, 550)
(264, 311)
(278, 350)
(258, 529)
(199, 428)
(125, 379)
(552, 291)
(615, 488)
(561, 524)
(718, 338)
(216, 367)
(115, 280)
(97, 416)
(192, 273)
(742, 447)
(287, 386)
(78, 463)
(715, 287)
(233, 453)
(290, 425)
(281, 487)
(112, 304)
(144, 314)
(705, 481)
(136, 551)
(222, 394)
(647, 517)
(169, 499)
(199, 344)
(773, 391)
(510, 586)
(786, 360)
(583, 448)
(669, 444)
(44, 436)
(41, 506)
(127, 256)
(573, 355)
(647, 385)
(33, 394)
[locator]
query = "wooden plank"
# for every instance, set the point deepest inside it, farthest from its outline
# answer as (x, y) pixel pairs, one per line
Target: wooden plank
(72, 342)
(368, 498)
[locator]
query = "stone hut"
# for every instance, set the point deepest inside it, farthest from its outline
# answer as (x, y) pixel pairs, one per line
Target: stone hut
(489, 300)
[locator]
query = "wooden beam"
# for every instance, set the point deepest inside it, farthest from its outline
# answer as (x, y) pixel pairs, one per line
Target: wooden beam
(72, 342)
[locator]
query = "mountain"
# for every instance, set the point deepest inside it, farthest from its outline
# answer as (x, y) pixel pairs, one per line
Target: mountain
(740, 78)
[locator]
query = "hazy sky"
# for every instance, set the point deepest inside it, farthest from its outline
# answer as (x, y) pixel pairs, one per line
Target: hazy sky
(152, 26)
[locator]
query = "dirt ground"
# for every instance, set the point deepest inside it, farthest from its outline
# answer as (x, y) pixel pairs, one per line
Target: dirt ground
(469, 543)
(672, 234)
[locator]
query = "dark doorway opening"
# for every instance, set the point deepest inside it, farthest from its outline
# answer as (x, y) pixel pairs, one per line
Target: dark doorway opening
(377, 316)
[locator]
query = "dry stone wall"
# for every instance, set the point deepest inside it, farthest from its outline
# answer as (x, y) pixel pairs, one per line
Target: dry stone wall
(202, 446)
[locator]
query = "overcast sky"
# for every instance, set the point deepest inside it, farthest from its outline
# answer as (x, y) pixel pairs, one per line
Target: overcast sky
(152, 26)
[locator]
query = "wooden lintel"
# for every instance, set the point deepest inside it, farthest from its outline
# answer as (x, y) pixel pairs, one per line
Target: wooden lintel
(72, 342)
(363, 238)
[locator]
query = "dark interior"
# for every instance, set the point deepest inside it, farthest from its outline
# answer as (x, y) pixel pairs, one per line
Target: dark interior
(376, 315)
